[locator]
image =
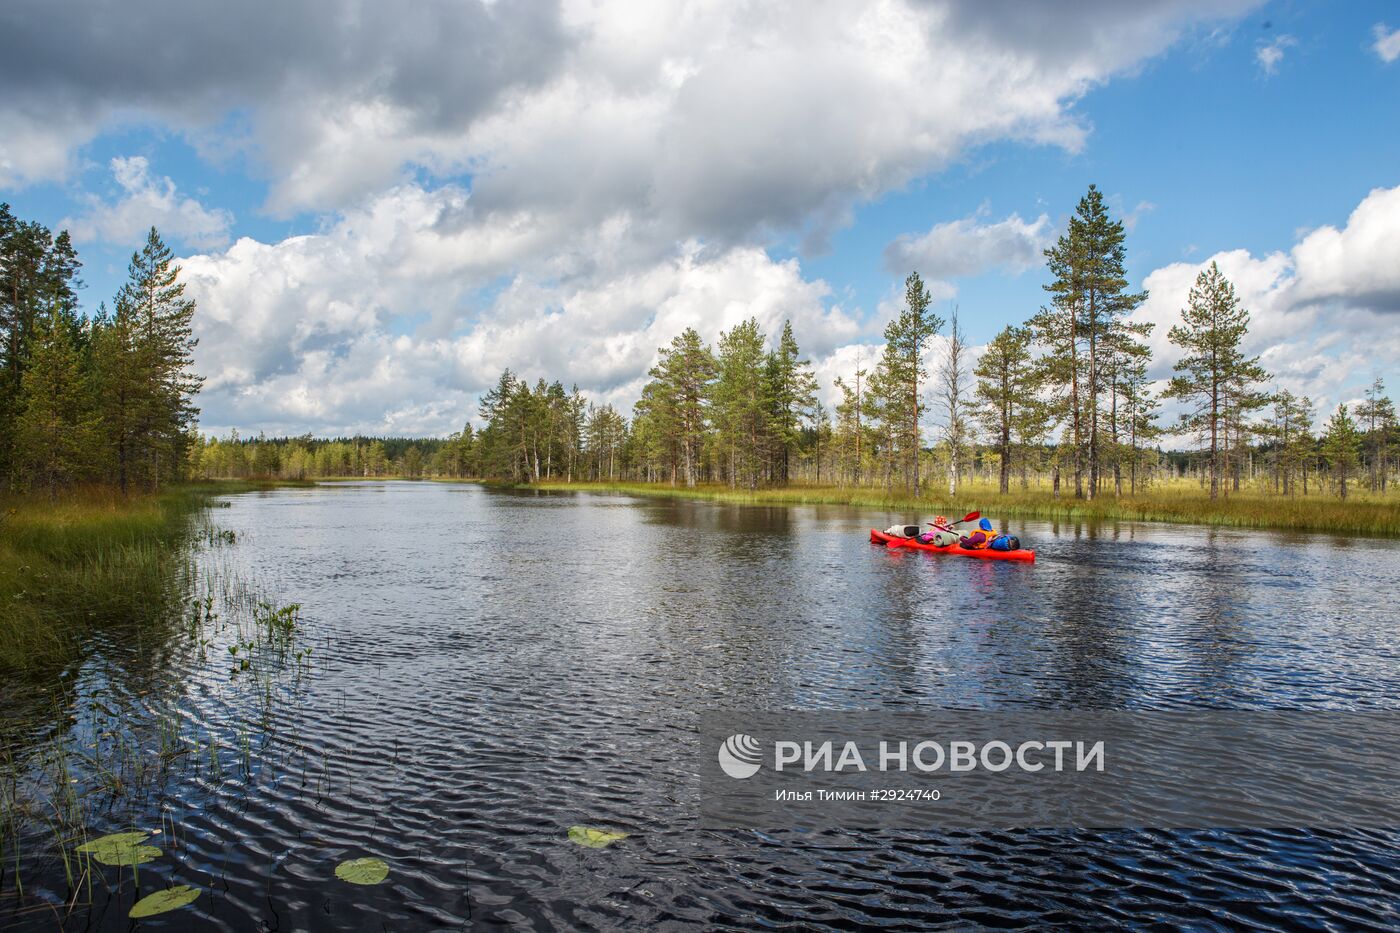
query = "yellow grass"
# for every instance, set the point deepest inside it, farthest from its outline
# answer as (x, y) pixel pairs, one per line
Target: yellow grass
(1181, 502)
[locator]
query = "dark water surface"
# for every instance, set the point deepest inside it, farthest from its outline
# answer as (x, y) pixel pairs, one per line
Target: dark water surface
(491, 668)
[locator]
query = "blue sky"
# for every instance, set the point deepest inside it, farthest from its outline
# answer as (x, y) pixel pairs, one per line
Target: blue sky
(403, 245)
(1226, 155)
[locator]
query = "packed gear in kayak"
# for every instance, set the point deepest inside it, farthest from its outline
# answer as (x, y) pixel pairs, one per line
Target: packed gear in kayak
(983, 542)
(896, 541)
(903, 531)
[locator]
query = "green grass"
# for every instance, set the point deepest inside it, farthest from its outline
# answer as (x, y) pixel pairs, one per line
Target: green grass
(93, 559)
(1180, 502)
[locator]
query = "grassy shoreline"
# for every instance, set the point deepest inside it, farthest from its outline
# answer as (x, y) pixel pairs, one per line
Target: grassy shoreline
(1180, 503)
(91, 560)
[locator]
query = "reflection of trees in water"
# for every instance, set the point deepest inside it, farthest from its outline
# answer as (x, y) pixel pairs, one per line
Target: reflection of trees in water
(1220, 642)
(1088, 617)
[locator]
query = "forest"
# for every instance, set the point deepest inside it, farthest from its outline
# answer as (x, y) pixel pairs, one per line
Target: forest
(1062, 402)
(106, 398)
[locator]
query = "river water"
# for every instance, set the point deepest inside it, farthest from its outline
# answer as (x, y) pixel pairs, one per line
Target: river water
(490, 668)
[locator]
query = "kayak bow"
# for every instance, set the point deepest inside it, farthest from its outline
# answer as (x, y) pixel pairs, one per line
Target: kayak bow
(879, 537)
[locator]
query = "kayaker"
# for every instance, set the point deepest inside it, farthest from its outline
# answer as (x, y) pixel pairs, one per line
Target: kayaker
(979, 538)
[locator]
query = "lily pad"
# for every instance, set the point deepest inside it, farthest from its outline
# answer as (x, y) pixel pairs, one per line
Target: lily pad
(161, 901)
(594, 838)
(120, 849)
(362, 871)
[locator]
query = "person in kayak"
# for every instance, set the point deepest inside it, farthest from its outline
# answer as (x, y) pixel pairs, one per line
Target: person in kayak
(980, 538)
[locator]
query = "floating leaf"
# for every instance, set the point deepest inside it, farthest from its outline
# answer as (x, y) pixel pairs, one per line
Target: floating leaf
(362, 871)
(137, 855)
(161, 901)
(116, 840)
(594, 838)
(120, 849)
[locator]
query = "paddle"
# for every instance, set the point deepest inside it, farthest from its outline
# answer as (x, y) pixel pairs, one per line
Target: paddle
(969, 517)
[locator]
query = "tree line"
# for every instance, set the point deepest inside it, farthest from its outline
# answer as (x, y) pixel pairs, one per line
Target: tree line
(307, 457)
(103, 398)
(1065, 398)
(1062, 399)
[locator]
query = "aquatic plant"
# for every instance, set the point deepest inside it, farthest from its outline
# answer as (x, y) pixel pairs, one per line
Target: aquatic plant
(163, 901)
(120, 849)
(367, 870)
(72, 760)
(593, 838)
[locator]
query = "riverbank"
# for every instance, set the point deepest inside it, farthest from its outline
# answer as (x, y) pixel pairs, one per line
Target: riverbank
(92, 559)
(1181, 503)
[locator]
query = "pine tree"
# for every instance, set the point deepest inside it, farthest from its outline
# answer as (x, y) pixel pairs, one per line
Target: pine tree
(821, 436)
(606, 435)
(900, 375)
(1088, 304)
(1340, 446)
(1214, 377)
(741, 402)
(953, 399)
(148, 369)
(1377, 413)
(38, 279)
(118, 388)
(1302, 451)
(1005, 393)
(793, 389)
(1123, 358)
(1139, 412)
(850, 422)
(53, 433)
(678, 403)
(412, 462)
(496, 453)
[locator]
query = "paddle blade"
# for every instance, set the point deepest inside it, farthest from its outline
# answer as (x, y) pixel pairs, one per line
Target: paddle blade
(971, 517)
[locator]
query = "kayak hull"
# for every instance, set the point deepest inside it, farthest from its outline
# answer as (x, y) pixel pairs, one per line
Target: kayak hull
(1024, 556)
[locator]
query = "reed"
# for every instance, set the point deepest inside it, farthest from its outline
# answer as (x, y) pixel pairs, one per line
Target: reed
(1179, 502)
(93, 559)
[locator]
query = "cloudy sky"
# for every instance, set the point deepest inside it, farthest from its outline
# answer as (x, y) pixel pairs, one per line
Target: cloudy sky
(379, 205)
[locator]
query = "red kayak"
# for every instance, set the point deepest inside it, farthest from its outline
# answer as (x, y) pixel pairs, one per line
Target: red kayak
(879, 537)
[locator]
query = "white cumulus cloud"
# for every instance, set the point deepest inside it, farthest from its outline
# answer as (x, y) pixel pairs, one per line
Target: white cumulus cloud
(1323, 313)
(145, 201)
(343, 330)
(968, 247)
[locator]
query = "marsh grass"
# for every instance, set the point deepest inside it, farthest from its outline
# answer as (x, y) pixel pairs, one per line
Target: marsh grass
(95, 560)
(1179, 502)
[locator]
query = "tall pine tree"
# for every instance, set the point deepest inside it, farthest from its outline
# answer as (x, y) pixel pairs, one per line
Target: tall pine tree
(144, 360)
(1213, 370)
(900, 376)
(54, 430)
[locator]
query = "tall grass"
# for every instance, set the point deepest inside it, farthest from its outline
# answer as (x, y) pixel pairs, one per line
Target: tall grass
(93, 559)
(1181, 502)
(79, 753)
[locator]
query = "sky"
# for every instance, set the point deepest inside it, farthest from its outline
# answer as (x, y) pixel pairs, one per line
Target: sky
(378, 206)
